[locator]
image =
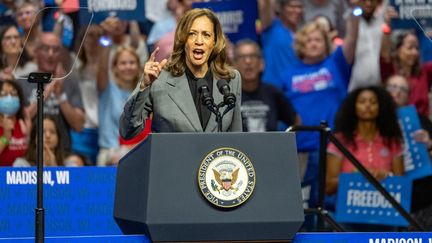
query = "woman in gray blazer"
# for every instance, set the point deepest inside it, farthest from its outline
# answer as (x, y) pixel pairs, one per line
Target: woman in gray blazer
(169, 89)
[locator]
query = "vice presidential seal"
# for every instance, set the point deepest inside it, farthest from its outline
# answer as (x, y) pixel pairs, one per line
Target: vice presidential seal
(226, 177)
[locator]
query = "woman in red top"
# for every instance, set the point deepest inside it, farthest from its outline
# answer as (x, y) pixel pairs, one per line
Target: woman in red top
(367, 126)
(404, 60)
(13, 125)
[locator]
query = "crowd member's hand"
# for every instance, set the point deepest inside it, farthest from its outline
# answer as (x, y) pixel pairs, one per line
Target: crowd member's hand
(390, 13)
(111, 25)
(152, 69)
(422, 136)
(7, 74)
(379, 174)
(8, 125)
(49, 157)
(56, 85)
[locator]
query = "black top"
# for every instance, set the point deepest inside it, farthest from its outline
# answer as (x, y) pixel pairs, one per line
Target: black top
(263, 108)
(203, 112)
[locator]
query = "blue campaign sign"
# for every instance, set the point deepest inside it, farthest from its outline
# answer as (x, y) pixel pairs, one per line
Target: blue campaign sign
(416, 157)
(375, 237)
(125, 9)
(359, 202)
(77, 201)
(238, 18)
(412, 14)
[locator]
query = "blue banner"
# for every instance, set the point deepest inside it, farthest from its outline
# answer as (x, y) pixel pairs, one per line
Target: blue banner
(412, 14)
(77, 201)
(83, 239)
(375, 237)
(238, 18)
(416, 157)
(359, 202)
(125, 9)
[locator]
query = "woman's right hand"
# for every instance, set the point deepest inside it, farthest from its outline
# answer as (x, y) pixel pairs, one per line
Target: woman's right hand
(49, 157)
(152, 69)
(8, 126)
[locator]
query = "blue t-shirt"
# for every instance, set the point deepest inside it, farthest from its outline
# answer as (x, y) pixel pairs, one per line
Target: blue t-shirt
(316, 91)
(111, 103)
(278, 51)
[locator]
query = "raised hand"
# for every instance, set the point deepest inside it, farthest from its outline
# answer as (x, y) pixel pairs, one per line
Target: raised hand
(152, 69)
(49, 157)
(56, 84)
(8, 125)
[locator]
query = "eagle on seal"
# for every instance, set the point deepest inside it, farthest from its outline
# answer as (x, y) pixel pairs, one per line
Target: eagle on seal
(226, 178)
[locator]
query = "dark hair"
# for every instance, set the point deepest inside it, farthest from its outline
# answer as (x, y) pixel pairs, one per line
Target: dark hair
(387, 123)
(398, 42)
(15, 85)
(24, 58)
(217, 60)
(58, 152)
(244, 42)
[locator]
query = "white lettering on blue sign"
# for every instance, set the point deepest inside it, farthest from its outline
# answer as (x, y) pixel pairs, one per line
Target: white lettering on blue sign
(396, 240)
(108, 5)
(367, 198)
(30, 178)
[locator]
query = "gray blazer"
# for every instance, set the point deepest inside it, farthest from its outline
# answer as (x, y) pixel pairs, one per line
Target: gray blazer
(170, 100)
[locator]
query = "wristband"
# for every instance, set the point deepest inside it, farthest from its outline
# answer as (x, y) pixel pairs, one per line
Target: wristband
(4, 140)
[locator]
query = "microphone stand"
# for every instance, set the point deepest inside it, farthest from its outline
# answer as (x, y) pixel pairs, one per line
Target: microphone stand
(215, 110)
(40, 79)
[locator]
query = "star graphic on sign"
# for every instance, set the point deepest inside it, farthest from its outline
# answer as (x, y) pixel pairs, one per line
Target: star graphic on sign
(351, 184)
(388, 213)
(359, 184)
(372, 212)
(364, 211)
(357, 211)
(398, 187)
(391, 186)
(396, 214)
(380, 212)
(366, 184)
(407, 119)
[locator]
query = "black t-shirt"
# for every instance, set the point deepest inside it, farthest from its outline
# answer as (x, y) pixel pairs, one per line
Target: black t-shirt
(264, 108)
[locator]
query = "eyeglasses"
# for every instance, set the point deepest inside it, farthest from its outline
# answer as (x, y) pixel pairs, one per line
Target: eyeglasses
(47, 48)
(396, 88)
(243, 57)
(11, 37)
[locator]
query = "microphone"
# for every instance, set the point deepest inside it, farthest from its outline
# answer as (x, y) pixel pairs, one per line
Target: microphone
(223, 87)
(203, 89)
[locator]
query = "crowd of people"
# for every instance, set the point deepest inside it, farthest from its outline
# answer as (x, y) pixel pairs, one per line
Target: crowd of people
(314, 60)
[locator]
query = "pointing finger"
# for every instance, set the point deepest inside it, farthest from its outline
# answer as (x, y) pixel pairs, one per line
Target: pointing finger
(162, 63)
(153, 54)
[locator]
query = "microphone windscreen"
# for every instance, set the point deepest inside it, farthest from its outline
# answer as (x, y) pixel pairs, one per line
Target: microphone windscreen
(201, 83)
(221, 84)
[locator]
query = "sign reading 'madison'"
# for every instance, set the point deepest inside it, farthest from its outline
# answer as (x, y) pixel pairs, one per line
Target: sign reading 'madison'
(226, 177)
